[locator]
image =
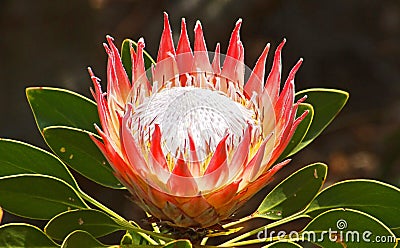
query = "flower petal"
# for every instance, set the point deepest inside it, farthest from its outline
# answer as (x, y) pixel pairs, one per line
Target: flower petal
(166, 44)
(195, 206)
(234, 56)
(241, 154)
(217, 170)
(184, 55)
(118, 82)
(285, 106)
(194, 159)
(255, 166)
(272, 85)
(216, 64)
(256, 80)
(140, 77)
(156, 155)
(223, 196)
(100, 100)
(218, 158)
(181, 181)
(201, 60)
(261, 182)
(129, 147)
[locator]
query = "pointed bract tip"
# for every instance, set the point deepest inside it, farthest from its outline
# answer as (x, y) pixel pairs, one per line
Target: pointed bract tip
(98, 129)
(237, 27)
(91, 74)
(218, 47)
(299, 62)
(109, 38)
(157, 128)
(107, 48)
(166, 21)
(198, 25)
(141, 42)
(301, 100)
(183, 26)
(281, 44)
(128, 109)
(294, 70)
(302, 116)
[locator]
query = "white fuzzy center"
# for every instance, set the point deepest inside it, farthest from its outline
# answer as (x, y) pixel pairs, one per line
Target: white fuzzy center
(205, 114)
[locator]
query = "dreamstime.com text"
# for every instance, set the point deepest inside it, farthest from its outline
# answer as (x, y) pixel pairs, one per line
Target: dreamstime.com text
(339, 236)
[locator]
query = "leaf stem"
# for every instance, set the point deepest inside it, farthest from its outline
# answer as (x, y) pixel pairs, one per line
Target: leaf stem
(260, 229)
(100, 206)
(144, 233)
(204, 241)
(156, 229)
(244, 219)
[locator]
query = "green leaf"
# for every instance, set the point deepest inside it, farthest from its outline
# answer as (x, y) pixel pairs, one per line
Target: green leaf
(294, 193)
(348, 228)
(81, 239)
(95, 222)
(77, 150)
(127, 60)
(327, 103)
(283, 244)
(60, 107)
(37, 196)
(23, 235)
(133, 238)
(20, 158)
(378, 199)
(181, 243)
(127, 239)
(300, 132)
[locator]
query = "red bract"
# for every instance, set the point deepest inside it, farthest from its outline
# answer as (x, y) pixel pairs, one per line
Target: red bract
(190, 139)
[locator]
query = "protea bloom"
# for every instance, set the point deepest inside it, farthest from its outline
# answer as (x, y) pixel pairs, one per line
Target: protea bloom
(190, 139)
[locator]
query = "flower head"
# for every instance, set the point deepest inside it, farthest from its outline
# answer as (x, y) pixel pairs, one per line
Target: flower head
(193, 140)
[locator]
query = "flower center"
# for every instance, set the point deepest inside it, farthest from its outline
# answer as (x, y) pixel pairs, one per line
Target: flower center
(205, 115)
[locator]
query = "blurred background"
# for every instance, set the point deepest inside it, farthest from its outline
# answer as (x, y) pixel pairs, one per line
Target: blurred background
(352, 45)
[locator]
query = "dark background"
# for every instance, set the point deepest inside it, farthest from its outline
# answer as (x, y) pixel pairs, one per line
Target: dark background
(352, 45)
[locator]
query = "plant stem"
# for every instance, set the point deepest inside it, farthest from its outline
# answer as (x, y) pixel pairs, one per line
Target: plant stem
(101, 206)
(260, 229)
(143, 232)
(121, 220)
(156, 229)
(244, 219)
(204, 241)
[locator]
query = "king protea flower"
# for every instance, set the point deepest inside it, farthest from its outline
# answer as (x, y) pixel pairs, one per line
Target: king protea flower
(191, 140)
